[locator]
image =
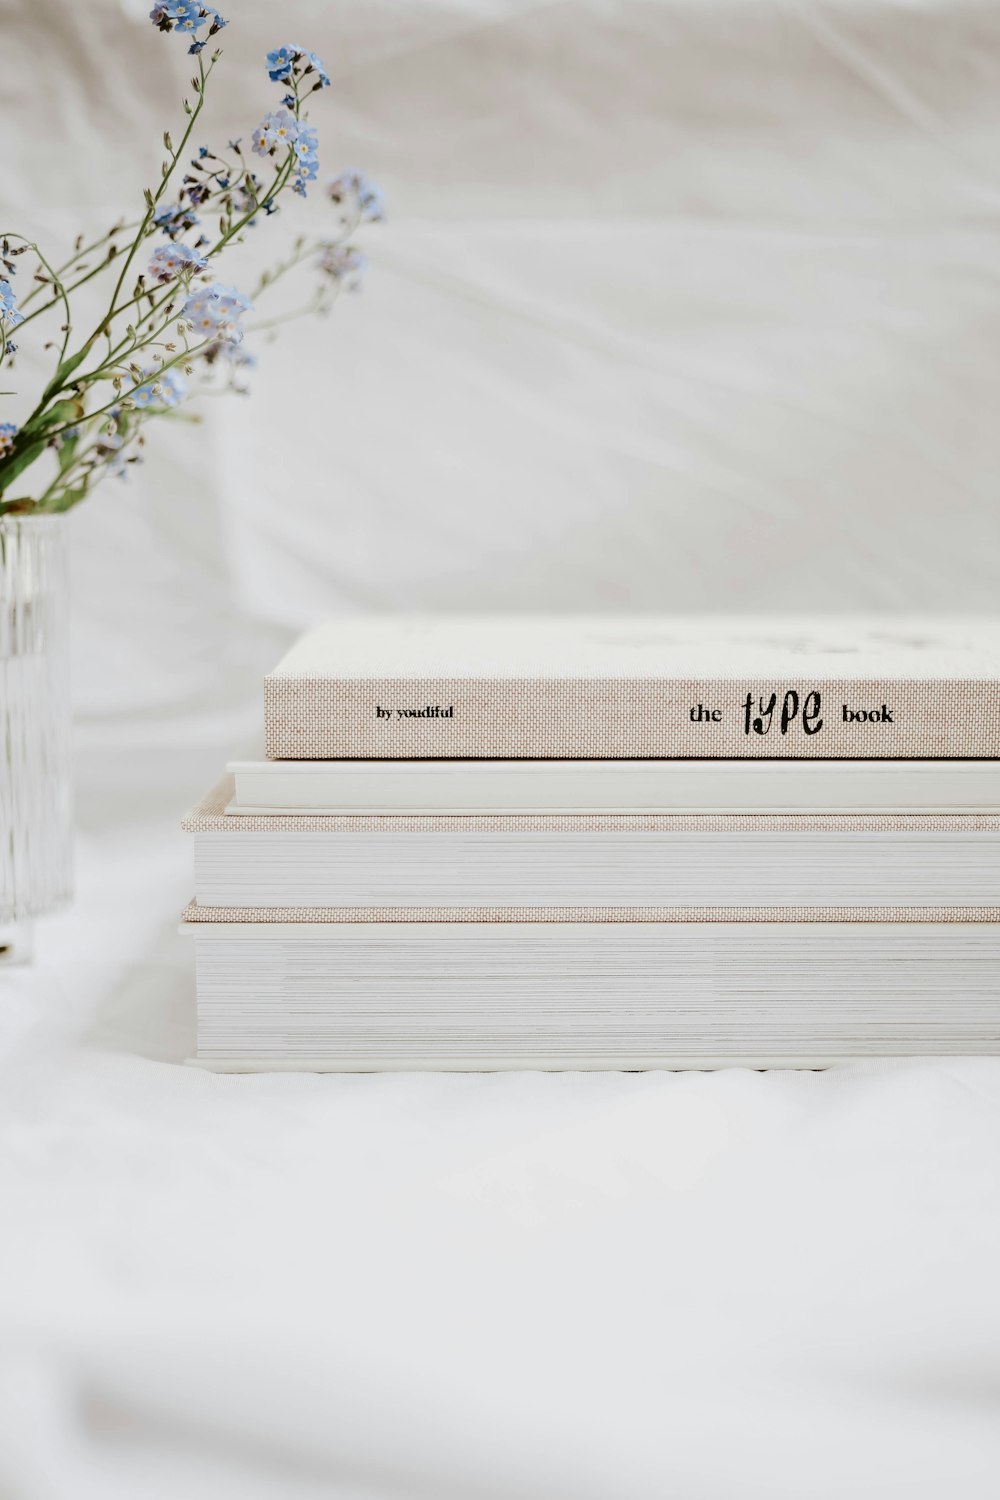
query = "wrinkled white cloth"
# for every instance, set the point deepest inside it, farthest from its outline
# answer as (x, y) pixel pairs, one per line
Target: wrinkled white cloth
(681, 304)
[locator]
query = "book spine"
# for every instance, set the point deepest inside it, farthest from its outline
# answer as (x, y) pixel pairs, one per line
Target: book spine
(629, 718)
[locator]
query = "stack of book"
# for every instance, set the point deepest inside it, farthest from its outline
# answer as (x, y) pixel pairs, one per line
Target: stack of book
(608, 843)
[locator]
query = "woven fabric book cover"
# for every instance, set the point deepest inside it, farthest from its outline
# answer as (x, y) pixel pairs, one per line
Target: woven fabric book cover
(603, 687)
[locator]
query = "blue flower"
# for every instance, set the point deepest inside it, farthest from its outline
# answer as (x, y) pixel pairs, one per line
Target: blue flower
(175, 219)
(315, 64)
(279, 63)
(173, 387)
(358, 194)
(170, 261)
(159, 390)
(187, 16)
(289, 101)
(8, 432)
(262, 139)
(306, 174)
(286, 63)
(307, 141)
(169, 15)
(274, 132)
(195, 48)
(304, 149)
(214, 312)
(9, 314)
(233, 303)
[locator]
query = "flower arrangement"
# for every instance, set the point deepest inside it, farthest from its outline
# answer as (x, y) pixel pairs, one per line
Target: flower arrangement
(171, 319)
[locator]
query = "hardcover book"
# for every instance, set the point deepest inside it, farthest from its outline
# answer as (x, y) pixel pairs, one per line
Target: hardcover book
(829, 864)
(614, 786)
(358, 996)
(637, 687)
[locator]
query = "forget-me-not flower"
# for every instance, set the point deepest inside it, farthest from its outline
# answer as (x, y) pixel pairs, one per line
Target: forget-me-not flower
(316, 64)
(169, 261)
(214, 312)
(159, 388)
(8, 305)
(169, 15)
(175, 219)
(280, 63)
(274, 132)
(188, 17)
(8, 432)
(305, 148)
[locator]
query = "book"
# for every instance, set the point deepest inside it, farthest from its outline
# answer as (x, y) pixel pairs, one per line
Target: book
(648, 861)
(637, 688)
(609, 786)
(453, 995)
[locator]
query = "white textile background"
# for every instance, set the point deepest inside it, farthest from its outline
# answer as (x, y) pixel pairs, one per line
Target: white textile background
(681, 304)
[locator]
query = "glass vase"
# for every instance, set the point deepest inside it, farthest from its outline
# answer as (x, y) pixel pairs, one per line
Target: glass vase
(36, 830)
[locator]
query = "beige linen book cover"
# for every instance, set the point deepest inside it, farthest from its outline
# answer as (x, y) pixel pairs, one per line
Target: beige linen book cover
(606, 687)
(196, 912)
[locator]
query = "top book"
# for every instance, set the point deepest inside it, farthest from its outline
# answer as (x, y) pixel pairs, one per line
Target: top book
(643, 687)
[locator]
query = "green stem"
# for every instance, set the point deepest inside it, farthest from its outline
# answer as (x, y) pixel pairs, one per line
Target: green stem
(185, 354)
(281, 177)
(78, 255)
(209, 202)
(60, 289)
(82, 281)
(165, 177)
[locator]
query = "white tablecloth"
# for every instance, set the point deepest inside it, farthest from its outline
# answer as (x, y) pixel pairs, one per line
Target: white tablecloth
(571, 1286)
(681, 304)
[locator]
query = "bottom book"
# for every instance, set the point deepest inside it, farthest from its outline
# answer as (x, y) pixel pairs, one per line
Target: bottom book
(478, 996)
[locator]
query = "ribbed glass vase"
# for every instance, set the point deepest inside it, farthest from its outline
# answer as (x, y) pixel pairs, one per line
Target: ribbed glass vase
(36, 865)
